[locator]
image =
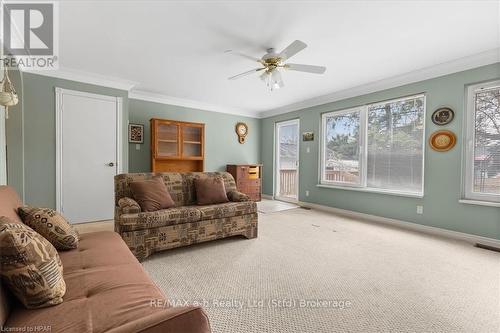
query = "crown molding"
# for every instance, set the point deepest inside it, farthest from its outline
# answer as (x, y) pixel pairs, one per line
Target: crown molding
(454, 66)
(86, 77)
(188, 103)
(458, 65)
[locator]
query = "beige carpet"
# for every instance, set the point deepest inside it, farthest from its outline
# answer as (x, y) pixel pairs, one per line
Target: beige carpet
(395, 280)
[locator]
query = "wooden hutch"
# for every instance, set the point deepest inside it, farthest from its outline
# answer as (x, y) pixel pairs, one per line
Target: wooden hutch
(177, 146)
(248, 179)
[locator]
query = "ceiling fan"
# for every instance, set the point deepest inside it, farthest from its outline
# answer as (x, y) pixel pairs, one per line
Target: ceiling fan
(274, 63)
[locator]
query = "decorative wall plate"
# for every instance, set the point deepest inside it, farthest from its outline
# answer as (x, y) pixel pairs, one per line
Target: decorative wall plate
(443, 116)
(442, 140)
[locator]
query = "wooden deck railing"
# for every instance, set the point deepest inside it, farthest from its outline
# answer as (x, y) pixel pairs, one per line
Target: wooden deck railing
(288, 179)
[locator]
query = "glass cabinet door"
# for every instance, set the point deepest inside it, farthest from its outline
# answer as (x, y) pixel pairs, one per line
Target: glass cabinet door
(192, 137)
(167, 137)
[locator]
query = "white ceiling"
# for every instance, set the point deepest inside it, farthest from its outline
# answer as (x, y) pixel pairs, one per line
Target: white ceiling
(177, 49)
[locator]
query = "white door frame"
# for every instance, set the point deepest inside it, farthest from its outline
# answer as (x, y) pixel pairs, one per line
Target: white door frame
(3, 148)
(3, 143)
(276, 159)
(60, 92)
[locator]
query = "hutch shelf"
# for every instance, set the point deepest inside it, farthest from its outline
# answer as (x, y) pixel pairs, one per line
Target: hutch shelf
(177, 146)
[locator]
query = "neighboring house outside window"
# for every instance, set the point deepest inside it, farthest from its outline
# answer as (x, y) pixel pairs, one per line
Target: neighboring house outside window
(376, 147)
(482, 143)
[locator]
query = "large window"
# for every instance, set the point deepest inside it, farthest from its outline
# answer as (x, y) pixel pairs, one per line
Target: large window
(482, 148)
(377, 147)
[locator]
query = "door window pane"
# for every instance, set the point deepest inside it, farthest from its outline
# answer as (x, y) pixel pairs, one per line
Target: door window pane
(288, 159)
(342, 147)
(191, 141)
(167, 140)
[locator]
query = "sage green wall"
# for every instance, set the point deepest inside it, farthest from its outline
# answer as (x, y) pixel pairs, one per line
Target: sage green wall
(36, 126)
(442, 170)
(14, 137)
(221, 143)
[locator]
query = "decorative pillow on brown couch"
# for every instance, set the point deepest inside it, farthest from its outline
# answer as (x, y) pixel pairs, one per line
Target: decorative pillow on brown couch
(152, 194)
(129, 205)
(30, 266)
(51, 225)
(210, 191)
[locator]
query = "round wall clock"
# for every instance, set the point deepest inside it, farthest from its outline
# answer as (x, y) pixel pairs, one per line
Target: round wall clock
(443, 116)
(442, 140)
(242, 131)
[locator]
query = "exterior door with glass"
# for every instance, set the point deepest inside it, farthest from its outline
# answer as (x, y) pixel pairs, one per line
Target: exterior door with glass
(287, 160)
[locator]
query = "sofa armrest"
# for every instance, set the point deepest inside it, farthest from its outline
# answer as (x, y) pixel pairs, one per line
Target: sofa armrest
(236, 196)
(172, 319)
(128, 206)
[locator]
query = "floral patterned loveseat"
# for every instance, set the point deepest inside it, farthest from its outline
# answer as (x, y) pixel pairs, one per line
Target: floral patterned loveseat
(186, 223)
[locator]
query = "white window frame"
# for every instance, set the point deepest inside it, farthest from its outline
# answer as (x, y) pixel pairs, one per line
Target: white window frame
(469, 138)
(362, 146)
(362, 186)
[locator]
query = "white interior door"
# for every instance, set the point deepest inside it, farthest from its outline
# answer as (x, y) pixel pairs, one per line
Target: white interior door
(287, 160)
(88, 155)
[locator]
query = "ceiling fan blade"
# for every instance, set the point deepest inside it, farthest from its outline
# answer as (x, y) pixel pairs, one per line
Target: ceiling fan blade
(245, 73)
(292, 49)
(306, 68)
(243, 55)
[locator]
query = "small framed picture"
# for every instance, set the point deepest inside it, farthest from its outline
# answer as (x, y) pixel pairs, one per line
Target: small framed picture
(308, 136)
(135, 133)
(443, 116)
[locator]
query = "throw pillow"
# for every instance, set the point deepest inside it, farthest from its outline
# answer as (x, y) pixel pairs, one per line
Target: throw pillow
(129, 206)
(30, 266)
(151, 194)
(210, 190)
(51, 225)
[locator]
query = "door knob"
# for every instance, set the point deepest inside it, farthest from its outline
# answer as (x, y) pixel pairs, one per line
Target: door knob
(111, 164)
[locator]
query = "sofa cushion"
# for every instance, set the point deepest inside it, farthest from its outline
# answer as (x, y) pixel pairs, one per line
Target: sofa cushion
(9, 203)
(30, 265)
(164, 217)
(237, 196)
(228, 209)
(152, 195)
(51, 225)
(210, 190)
(107, 290)
(129, 206)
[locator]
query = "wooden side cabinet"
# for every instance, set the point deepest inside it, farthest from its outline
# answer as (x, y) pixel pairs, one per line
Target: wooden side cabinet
(248, 179)
(177, 146)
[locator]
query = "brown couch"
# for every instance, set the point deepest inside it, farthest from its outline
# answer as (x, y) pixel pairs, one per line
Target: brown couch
(186, 223)
(107, 290)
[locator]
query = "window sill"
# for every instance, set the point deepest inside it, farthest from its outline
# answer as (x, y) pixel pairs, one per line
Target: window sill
(373, 190)
(479, 203)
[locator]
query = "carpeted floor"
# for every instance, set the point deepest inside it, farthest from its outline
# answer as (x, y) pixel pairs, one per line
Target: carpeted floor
(372, 278)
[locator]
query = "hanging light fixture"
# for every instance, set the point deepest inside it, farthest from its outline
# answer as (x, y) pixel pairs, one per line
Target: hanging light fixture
(8, 95)
(273, 79)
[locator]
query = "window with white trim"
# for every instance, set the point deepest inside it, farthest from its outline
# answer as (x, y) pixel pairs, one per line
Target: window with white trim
(377, 147)
(482, 146)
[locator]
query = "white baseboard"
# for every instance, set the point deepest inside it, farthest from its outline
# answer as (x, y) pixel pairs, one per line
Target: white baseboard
(473, 239)
(267, 196)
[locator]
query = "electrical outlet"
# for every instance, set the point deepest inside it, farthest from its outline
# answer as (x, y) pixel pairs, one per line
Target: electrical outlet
(308, 149)
(307, 193)
(420, 209)
(137, 146)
